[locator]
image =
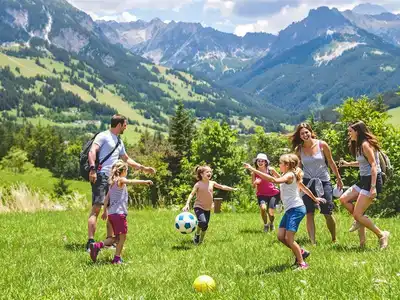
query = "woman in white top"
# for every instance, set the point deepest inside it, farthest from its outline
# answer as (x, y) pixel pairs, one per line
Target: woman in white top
(290, 183)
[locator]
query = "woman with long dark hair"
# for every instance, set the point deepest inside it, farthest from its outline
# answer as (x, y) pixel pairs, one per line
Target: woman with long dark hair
(315, 157)
(365, 148)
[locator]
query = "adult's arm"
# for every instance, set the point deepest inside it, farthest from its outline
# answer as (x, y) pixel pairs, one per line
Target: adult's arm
(369, 153)
(328, 155)
(92, 161)
(136, 165)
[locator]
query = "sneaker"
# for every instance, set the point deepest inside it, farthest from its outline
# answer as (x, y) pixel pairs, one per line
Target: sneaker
(384, 240)
(272, 227)
(117, 261)
(266, 227)
(303, 266)
(94, 251)
(304, 254)
(355, 226)
(196, 239)
(113, 246)
(88, 245)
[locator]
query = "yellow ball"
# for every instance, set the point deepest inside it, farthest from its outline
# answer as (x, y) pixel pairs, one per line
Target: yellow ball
(204, 284)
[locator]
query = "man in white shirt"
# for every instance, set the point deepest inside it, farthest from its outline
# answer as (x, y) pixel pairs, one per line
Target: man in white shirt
(104, 144)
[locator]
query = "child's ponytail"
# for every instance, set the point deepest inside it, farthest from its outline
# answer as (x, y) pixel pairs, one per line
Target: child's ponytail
(298, 173)
(117, 170)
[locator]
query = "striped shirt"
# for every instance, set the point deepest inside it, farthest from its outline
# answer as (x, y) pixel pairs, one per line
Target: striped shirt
(118, 199)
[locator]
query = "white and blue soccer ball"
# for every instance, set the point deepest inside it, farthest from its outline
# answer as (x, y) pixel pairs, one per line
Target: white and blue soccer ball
(185, 222)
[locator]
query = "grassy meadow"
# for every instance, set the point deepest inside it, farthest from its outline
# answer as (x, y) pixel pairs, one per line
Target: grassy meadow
(395, 116)
(43, 257)
(46, 182)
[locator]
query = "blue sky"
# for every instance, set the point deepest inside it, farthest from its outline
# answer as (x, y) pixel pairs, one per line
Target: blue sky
(236, 16)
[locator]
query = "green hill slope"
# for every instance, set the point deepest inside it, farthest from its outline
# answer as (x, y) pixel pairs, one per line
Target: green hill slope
(395, 116)
(93, 97)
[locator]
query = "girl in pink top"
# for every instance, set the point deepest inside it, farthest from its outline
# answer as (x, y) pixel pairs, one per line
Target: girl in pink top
(203, 189)
(267, 194)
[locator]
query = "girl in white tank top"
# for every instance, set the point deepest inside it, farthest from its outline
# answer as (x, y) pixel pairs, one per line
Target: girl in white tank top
(290, 182)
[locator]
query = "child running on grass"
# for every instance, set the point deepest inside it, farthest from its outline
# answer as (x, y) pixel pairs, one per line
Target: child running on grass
(267, 194)
(203, 189)
(116, 210)
(290, 183)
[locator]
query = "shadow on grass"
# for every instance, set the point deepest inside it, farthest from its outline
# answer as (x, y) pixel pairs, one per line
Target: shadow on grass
(350, 248)
(303, 240)
(252, 231)
(272, 270)
(75, 247)
(99, 262)
(184, 246)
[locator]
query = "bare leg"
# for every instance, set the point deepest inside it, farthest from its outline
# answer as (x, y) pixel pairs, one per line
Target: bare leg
(331, 224)
(271, 215)
(202, 235)
(363, 202)
(311, 227)
(120, 245)
(347, 198)
(109, 241)
(263, 211)
(294, 246)
(110, 231)
(92, 221)
(282, 235)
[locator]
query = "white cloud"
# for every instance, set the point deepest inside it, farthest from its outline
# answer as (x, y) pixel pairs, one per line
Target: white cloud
(124, 17)
(286, 16)
(112, 7)
(259, 26)
(225, 22)
(224, 6)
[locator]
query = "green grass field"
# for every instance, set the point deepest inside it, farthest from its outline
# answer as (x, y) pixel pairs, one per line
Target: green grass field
(46, 182)
(43, 257)
(395, 116)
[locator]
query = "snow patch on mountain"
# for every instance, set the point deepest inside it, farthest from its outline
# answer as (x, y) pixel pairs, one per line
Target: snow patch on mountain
(377, 52)
(335, 51)
(212, 55)
(21, 18)
(330, 32)
(154, 55)
(48, 27)
(388, 68)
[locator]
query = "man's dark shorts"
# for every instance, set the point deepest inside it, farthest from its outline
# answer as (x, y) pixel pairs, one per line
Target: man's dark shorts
(325, 208)
(99, 189)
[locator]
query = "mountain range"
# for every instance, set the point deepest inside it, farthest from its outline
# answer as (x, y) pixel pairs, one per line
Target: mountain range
(189, 46)
(314, 63)
(310, 65)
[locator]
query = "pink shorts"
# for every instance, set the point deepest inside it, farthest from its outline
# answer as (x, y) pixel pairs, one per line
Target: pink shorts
(118, 223)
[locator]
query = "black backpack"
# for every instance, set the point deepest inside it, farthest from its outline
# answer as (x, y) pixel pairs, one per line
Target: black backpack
(84, 167)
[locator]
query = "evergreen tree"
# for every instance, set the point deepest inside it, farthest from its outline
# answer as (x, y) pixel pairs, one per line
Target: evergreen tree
(181, 130)
(61, 188)
(181, 134)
